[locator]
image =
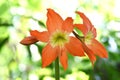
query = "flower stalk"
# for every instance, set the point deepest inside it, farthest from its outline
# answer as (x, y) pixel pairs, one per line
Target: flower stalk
(57, 72)
(81, 38)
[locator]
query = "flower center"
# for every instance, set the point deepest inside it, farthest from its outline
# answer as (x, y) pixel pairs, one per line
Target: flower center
(59, 38)
(88, 37)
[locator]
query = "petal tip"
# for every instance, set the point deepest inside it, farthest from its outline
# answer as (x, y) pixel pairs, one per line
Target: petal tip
(69, 18)
(43, 66)
(78, 12)
(49, 9)
(106, 56)
(65, 68)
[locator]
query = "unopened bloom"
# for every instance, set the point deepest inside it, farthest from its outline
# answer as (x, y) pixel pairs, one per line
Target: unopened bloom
(90, 45)
(58, 40)
(29, 40)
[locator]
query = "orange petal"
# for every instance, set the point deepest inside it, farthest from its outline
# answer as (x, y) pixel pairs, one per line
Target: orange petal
(75, 47)
(94, 31)
(49, 54)
(64, 59)
(68, 25)
(98, 48)
(86, 21)
(90, 53)
(54, 21)
(28, 40)
(82, 28)
(41, 36)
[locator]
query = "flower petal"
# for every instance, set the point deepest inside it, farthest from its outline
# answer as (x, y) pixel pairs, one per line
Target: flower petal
(98, 48)
(54, 21)
(64, 59)
(75, 47)
(90, 53)
(86, 21)
(49, 54)
(82, 28)
(41, 36)
(28, 40)
(87, 24)
(68, 25)
(94, 31)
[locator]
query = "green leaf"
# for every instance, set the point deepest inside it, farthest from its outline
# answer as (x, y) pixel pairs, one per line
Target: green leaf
(3, 8)
(3, 36)
(41, 23)
(2, 42)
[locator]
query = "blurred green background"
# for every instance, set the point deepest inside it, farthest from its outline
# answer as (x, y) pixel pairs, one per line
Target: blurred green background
(18, 62)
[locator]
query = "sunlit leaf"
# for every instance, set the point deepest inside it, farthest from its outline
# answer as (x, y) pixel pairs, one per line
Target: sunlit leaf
(3, 8)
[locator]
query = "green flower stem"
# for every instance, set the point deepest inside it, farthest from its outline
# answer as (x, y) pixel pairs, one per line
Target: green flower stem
(57, 72)
(81, 38)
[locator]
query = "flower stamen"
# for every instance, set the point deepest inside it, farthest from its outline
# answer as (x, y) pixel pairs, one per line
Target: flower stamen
(59, 38)
(89, 37)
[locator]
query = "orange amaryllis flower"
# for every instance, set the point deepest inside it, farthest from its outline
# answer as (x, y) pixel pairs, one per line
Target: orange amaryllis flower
(90, 45)
(58, 39)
